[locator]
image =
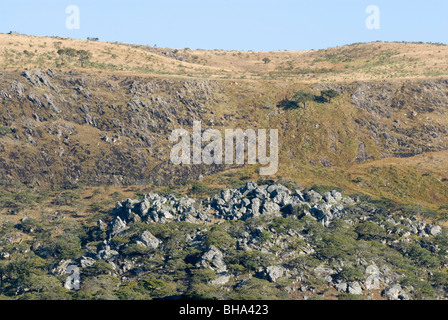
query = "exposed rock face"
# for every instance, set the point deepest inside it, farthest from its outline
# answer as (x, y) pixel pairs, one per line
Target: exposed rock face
(253, 200)
(433, 230)
(147, 110)
(155, 208)
(354, 288)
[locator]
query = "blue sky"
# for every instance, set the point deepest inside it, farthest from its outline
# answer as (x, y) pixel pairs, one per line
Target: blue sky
(231, 24)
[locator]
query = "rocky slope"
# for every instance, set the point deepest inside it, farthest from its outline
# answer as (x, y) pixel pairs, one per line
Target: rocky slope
(66, 128)
(289, 244)
(62, 127)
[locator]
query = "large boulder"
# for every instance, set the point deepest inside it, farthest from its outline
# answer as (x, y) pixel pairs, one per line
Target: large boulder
(270, 208)
(149, 240)
(312, 196)
(118, 226)
(354, 288)
(396, 292)
(373, 277)
(433, 230)
(273, 273)
(213, 259)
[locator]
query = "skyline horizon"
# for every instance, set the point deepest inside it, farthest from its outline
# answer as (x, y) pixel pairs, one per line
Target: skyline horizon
(228, 50)
(250, 25)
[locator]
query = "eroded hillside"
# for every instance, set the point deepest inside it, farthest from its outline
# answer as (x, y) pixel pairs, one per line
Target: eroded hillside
(64, 127)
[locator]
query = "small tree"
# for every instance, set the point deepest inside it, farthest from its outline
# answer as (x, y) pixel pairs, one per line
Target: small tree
(329, 94)
(67, 53)
(83, 56)
(302, 97)
(266, 60)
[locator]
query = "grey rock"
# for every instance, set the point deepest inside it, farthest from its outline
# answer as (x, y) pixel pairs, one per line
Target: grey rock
(373, 277)
(336, 195)
(395, 292)
(87, 262)
(270, 208)
(4, 255)
(149, 240)
(213, 259)
(72, 282)
(354, 288)
(107, 253)
(299, 195)
(255, 206)
(250, 185)
(221, 279)
(328, 198)
(273, 273)
(61, 267)
(433, 230)
(341, 287)
(322, 271)
(313, 196)
(101, 225)
(118, 226)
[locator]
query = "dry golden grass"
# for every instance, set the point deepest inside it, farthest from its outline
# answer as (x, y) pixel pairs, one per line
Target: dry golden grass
(366, 61)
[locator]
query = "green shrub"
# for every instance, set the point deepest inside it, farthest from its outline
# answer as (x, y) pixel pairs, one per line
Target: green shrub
(66, 246)
(369, 231)
(423, 257)
(420, 289)
(98, 268)
(351, 274)
(219, 238)
(4, 131)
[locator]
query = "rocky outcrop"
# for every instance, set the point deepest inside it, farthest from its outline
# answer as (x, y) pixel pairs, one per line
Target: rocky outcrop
(249, 206)
(396, 292)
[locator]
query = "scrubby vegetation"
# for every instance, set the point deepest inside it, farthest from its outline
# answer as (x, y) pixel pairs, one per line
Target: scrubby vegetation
(278, 255)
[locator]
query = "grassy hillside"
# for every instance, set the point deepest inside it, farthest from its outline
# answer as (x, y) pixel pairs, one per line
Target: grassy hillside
(106, 120)
(85, 125)
(362, 61)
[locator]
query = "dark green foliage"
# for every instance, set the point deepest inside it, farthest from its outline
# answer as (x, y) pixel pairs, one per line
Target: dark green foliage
(329, 94)
(370, 231)
(263, 181)
(322, 189)
(147, 288)
(290, 184)
(257, 289)
(66, 246)
(348, 296)
(422, 257)
(301, 97)
(4, 130)
(218, 237)
(351, 274)
(439, 280)
(251, 260)
(420, 289)
(134, 249)
(98, 268)
(266, 60)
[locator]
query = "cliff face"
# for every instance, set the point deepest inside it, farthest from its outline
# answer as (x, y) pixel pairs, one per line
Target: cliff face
(64, 126)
